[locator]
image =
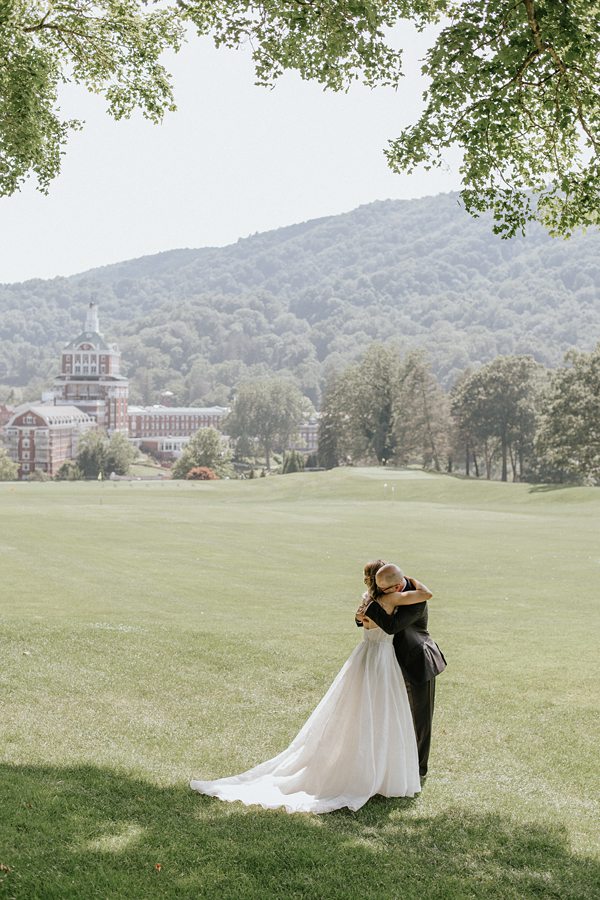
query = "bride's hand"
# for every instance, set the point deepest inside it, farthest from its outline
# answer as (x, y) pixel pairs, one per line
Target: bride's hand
(362, 608)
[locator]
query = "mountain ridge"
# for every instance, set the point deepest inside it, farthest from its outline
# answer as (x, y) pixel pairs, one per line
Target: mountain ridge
(307, 298)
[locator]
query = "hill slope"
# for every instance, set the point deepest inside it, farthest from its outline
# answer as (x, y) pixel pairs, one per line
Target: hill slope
(310, 296)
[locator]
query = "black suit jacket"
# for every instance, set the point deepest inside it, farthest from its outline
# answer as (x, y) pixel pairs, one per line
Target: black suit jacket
(417, 653)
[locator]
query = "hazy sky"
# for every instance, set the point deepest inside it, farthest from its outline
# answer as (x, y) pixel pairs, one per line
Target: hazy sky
(234, 159)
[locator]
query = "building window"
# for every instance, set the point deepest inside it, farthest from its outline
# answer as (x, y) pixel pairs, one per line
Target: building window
(26, 467)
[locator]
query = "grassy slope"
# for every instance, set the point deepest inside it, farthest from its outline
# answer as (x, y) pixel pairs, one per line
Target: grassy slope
(150, 632)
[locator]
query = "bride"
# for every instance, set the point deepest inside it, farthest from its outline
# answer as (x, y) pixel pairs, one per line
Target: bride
(358, 742)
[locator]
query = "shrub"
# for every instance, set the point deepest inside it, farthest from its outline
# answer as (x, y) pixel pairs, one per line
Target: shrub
(69, 471)
(38, 475)
(202, 473)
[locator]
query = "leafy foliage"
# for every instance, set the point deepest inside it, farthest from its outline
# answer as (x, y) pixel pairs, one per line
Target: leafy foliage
(502, 415)
(112, 47)
(386, 408)
(495, 408)
(423, 428)
(266, 412)
(334, 445)
(205, 450)
(515, 86)
(69, 471)
(98, 455)
(371, 389)
(568, 441)
(8, 469)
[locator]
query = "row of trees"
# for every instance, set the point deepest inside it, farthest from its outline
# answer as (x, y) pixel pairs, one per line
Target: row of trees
(511, 417)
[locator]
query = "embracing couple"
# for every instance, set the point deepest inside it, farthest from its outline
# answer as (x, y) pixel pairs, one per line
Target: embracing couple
(371, 732)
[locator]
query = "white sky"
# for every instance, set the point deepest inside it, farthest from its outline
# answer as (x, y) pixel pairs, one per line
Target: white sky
(234, 159)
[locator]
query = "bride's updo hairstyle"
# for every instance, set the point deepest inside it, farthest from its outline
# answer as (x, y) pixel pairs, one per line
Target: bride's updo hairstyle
(370, 572)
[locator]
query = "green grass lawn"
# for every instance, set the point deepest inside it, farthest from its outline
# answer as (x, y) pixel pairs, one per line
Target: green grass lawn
(151, 632)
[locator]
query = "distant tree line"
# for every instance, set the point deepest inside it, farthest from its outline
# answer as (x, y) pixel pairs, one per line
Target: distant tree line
(511, 418)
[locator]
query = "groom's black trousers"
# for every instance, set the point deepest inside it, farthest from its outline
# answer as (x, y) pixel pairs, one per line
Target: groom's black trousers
(421, 698)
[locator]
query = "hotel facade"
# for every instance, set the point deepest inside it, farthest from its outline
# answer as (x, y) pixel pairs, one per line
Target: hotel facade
(90, 392)
(41, 438)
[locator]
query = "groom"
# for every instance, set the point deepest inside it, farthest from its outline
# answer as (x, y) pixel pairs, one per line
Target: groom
(418, 655)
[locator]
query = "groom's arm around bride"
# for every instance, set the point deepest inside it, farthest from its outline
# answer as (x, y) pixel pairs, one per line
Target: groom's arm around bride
(418, 655)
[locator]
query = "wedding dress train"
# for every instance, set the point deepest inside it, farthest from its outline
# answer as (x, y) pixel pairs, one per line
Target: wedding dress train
(358, 742)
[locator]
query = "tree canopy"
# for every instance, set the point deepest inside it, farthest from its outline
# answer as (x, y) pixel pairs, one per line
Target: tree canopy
(513, 84)
(97, 454)
(206, 449)
(8, 469)
(508, 418)
(568, 440)
(266, 412)
(112, 47)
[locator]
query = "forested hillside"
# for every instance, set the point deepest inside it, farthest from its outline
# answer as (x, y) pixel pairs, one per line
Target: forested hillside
(308, 298)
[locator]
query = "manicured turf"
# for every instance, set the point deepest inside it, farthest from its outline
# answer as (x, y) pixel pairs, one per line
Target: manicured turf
(151, 632)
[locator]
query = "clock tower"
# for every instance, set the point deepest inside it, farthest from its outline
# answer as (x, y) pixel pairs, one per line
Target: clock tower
(90, 377)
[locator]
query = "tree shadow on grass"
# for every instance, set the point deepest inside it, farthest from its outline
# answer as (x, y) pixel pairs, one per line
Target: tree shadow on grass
(87, 832)
(548, 488)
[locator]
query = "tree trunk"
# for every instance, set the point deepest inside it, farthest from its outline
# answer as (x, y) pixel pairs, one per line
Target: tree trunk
(430, 437)
(520, 457)
(513, 463)
(475, 465)
(504, 449)
(467, 460)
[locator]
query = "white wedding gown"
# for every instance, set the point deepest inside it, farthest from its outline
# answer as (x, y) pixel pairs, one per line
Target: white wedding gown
(358, 742)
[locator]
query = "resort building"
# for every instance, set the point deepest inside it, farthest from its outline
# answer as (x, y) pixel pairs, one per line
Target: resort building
(308, 438)
(90, 377)
(163, 431)
(89, 392)
(176, 421)
(42, 438)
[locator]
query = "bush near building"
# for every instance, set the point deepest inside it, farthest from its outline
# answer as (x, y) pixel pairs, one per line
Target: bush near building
(201, 473)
